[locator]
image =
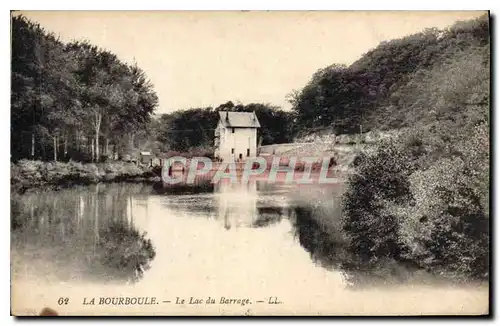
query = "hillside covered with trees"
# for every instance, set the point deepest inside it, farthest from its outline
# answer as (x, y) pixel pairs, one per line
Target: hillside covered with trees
(422, 198)
(390, 86)
(395, 85)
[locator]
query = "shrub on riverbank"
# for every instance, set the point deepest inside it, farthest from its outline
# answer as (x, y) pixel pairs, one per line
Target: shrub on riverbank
(380, 180)
(27, 174)
(418, 203)
(409, 203)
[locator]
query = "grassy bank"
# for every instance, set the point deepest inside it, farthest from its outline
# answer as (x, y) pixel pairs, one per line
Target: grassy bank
(26, 174)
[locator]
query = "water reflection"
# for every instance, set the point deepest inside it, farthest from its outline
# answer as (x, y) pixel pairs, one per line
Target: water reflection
(238, 240)
(91, 229)
(328, 249)
(237, 204)
(98, 232)
(253, 204)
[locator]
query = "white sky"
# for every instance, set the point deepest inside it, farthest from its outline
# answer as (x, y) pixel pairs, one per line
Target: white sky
(199, 59)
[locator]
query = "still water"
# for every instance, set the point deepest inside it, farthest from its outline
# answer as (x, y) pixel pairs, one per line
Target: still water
(234, 241)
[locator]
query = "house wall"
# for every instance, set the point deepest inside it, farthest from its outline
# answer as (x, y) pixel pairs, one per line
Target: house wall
(241, 140)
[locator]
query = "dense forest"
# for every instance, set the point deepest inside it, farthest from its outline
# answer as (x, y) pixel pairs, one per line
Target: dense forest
(72, 101)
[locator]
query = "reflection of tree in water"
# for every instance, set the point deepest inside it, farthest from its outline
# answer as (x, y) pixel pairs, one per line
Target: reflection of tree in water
(325, 247)
(268, 215)
(88, 230)
(199, 186)
(328, 246)
(16, 218)
(126, 250)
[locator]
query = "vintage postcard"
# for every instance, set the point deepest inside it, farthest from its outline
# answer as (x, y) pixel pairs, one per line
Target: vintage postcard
(250, 163)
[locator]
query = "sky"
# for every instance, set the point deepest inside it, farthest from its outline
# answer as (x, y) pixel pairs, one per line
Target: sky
(200, 59)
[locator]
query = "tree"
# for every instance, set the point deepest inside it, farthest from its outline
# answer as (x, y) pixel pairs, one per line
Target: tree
(370, 90)
(69, 97)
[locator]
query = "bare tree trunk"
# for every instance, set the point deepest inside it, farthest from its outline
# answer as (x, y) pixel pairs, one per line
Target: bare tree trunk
(92, 149)
(107, 146)
(32, 145)
(96, 146)
(97, 129)
(55, 148)
(65, 146)
(77, 140)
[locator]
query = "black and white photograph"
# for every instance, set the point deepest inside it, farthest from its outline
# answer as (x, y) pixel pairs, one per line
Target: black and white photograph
(250, 163)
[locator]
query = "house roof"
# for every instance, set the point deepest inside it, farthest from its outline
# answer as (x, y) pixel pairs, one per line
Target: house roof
(239, 119)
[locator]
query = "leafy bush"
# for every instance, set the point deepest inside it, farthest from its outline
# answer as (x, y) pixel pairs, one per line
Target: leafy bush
(381, 179)
(406, 205)
(447, 227)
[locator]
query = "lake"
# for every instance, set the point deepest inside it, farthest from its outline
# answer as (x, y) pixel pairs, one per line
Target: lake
(229, 242)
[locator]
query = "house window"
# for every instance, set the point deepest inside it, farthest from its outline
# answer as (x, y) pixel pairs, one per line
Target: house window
(233, 130)
(232, 150)
(248, 151)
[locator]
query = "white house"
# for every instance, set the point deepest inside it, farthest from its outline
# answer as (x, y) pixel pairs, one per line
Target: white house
(236, 135)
